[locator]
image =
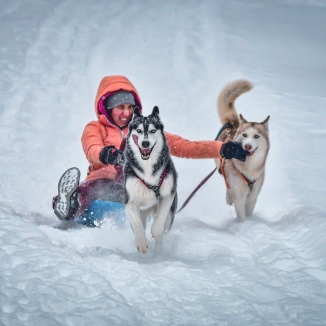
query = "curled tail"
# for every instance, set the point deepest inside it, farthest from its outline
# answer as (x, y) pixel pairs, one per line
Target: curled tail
(225, 104)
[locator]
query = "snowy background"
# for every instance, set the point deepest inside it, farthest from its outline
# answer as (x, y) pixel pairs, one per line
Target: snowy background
(209, 270)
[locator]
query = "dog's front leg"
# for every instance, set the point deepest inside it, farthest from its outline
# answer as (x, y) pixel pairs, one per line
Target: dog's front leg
(158, 226)
(250, 206)
(133, 214)
(253, 195)
(240, 208)
(229, 198)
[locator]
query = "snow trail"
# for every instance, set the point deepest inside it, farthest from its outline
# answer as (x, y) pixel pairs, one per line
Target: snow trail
(209, 270)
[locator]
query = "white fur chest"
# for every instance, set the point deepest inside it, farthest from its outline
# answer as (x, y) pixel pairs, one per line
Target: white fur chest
(253, 168)
(141, 191)
(143, 196)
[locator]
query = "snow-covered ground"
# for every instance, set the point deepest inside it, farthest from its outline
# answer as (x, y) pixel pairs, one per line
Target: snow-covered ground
(209, 270)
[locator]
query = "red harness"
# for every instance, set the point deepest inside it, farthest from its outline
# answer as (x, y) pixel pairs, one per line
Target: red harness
(249, 182)
(156, 188)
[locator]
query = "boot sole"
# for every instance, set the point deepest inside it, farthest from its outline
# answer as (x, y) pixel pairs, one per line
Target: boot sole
(67, 185)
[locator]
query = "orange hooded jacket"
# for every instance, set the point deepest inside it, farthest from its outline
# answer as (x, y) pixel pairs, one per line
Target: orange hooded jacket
(101, 133)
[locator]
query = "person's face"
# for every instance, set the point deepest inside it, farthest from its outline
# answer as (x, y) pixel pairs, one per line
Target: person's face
(121, 114)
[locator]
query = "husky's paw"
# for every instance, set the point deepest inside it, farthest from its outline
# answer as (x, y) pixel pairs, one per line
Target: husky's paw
(142, 246)
(240, 219)
(229, 202)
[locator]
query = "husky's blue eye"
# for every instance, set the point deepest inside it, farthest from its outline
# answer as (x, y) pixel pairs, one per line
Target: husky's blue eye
(256, 136)
(153, 131)
(139, 131)
(244, 135)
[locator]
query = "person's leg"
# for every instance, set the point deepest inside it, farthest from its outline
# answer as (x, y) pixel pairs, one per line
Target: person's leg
(103, 189)
(98, 199)
(73, 199)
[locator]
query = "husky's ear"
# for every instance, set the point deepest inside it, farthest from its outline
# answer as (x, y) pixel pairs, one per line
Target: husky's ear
(136, 111)
(242, 118)
(265, 121)
(155, 110)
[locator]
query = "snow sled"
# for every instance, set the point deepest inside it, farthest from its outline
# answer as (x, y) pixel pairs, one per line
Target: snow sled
(99, 211)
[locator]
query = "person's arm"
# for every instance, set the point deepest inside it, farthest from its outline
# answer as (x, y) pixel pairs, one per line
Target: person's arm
(185, 148)
(95, 150)
(92, 142)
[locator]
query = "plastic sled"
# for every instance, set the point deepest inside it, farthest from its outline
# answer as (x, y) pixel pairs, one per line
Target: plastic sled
(99, 211)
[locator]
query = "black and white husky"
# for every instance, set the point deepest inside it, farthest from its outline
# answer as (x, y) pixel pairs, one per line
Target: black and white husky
(150, 177)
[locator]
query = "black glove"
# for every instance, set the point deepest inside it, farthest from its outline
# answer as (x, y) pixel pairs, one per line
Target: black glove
(233, 150)
(111, 155)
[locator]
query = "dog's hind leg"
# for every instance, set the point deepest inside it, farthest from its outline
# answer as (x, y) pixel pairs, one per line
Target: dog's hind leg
(163, 212)
(170, 218)
(144, 216)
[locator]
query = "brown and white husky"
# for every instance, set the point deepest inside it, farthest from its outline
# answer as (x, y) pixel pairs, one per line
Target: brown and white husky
(243, 180)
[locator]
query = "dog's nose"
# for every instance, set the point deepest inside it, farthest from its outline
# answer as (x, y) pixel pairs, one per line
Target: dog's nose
(145, 143)
(248, 147)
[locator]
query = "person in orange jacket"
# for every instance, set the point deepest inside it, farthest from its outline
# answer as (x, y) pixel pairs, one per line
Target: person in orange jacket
(103, 143)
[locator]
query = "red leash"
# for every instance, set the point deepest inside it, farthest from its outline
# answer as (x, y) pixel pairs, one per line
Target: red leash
(226, 126)
(197, 188)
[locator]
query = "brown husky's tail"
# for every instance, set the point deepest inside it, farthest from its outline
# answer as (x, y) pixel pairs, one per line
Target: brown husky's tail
(225, 104)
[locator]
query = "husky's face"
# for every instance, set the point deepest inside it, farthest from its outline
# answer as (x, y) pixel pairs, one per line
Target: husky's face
(145, 132)
(253, 135)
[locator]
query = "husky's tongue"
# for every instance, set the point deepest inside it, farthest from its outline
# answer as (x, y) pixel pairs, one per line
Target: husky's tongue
(252, 152)
(135, 138)
(145, 152)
